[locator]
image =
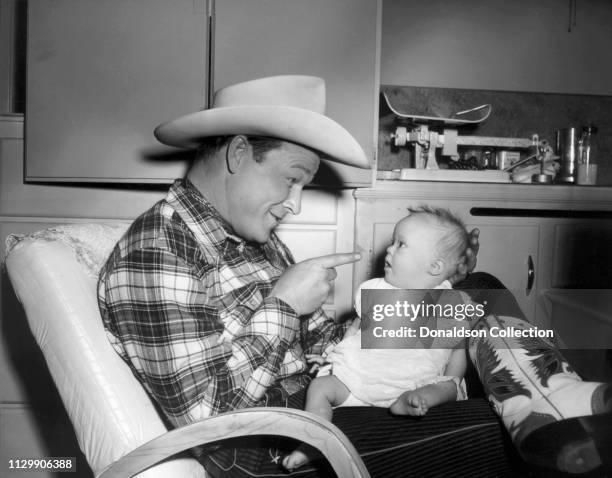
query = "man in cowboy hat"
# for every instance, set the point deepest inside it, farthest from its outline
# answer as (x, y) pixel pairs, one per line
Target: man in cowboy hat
(207, 306)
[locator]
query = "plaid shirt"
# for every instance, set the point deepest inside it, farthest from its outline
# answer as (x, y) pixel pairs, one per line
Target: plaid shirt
(186, 303)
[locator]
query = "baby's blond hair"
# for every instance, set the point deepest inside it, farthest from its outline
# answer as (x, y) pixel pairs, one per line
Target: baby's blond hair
(454, 238)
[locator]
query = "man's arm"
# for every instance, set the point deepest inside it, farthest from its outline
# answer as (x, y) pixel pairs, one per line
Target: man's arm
(169, 322)
(305, 286)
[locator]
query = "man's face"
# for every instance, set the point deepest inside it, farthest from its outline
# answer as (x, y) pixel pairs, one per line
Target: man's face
(410, 255)
(262, 193)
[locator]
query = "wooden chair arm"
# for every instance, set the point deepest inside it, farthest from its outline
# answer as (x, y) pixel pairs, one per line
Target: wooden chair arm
(303, 426)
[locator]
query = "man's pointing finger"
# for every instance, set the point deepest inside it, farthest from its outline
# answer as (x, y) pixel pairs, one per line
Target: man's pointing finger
(333, 260)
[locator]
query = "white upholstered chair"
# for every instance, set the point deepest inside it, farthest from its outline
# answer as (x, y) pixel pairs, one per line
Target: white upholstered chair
(54, 274)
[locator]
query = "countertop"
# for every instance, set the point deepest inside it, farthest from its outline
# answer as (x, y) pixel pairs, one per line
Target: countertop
(553, 197)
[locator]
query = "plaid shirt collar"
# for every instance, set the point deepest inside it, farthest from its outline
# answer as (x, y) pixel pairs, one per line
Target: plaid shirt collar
(209, 227)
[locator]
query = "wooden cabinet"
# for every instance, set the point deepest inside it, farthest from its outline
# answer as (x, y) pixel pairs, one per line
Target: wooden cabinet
(497, 45)
(100, 76)
(334, 39)
(576, 283)
(582, 256)
(510, 253)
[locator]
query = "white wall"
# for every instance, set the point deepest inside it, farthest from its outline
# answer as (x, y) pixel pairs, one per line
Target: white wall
(517, 45)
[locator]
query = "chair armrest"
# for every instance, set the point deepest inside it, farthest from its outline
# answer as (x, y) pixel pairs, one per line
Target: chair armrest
(303, 426)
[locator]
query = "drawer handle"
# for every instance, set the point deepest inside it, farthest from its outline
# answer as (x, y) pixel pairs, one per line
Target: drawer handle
(530, 274)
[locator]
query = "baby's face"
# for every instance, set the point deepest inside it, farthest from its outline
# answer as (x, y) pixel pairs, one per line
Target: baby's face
(410, 255)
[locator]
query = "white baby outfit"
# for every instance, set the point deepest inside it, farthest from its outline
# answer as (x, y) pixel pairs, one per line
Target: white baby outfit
(377, 377)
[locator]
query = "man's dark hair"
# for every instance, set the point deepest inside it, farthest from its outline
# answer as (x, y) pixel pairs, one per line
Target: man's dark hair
(260, 144)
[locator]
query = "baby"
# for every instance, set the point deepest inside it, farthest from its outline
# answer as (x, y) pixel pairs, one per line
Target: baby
(427, 246)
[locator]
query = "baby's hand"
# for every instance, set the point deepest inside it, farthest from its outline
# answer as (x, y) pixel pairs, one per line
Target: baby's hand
(410, 403)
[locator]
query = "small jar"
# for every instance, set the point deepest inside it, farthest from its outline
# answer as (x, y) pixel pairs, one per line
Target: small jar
(587, 157)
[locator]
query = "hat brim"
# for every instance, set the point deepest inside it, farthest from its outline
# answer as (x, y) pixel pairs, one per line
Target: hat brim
(296, 125)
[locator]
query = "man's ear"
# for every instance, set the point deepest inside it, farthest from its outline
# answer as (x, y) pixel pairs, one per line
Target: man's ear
(238, 149)
(436, 267)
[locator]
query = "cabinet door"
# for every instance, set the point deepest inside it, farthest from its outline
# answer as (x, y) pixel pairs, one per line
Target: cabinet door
(101, 74)
(333, 39)
(582, 255)
(510, 253)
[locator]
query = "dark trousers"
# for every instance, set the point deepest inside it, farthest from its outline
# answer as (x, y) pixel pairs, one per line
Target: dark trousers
(455, 439)
(459, 439)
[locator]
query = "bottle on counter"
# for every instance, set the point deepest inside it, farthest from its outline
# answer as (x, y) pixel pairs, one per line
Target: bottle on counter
(587, 157)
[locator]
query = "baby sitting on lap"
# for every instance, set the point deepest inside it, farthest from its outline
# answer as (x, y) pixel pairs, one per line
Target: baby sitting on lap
(427, 246)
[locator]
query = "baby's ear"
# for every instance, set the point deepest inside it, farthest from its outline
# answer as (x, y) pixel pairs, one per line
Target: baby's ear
(437, 267)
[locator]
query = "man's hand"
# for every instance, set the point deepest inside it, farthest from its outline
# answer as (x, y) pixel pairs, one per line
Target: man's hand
(468, 265)
(316, 361)
(306, 285)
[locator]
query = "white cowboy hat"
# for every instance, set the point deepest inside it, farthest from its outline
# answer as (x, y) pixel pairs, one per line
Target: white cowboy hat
(288, 107)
